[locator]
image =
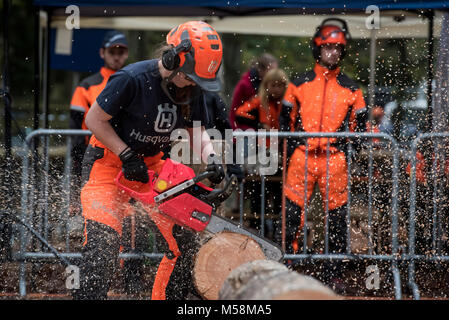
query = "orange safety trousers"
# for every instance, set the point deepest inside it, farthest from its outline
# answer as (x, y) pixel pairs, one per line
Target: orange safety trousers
(333, 188)
(103, 202)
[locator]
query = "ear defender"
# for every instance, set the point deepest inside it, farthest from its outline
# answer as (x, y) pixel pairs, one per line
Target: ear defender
(170, 57)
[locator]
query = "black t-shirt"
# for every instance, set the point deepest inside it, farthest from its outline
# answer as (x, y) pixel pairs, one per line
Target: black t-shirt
(143, 116)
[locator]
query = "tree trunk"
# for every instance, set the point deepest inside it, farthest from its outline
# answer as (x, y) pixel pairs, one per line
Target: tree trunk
(270, 280)
(218, 256)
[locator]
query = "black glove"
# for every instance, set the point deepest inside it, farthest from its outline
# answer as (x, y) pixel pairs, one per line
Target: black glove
(214, 164)
(235, 169)
(134, 168)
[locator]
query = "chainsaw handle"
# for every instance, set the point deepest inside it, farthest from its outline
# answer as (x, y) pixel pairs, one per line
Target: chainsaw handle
(204, 175)
(145, 197)
(222, 194)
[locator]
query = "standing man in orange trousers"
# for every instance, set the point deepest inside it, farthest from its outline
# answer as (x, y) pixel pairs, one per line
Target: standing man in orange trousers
(324, 100)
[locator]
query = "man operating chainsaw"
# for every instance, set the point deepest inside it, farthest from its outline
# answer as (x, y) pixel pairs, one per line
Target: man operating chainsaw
(131, 122)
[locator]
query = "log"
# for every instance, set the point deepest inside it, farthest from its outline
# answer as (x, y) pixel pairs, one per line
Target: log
(271, 280)
(217, 257)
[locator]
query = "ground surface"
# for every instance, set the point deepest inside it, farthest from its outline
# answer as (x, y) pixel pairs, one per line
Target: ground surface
(47, 281)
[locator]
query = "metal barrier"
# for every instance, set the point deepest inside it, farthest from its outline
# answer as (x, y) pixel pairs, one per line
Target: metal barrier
(394, 257)
(35, 205)
(436, 254)
(35, 211)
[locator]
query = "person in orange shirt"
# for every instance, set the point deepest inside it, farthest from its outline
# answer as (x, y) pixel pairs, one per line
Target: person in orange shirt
(114, 52)
(324, 100)
(262, 111)
(249, 85)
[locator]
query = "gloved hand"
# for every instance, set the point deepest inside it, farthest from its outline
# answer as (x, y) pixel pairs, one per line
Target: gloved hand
(134, 168)
(214, 164)
(235, 169)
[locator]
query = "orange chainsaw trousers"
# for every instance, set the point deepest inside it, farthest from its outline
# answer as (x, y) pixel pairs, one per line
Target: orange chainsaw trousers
(105, 204)
(101, 200)
(330, 174)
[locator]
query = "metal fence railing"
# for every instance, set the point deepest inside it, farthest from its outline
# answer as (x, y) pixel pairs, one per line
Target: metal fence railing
(45, 202)
(40, 210)
(433, 169)
(393, 256)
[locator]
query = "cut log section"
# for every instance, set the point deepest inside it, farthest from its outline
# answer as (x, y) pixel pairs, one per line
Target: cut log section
(217, 257)
(270, 280)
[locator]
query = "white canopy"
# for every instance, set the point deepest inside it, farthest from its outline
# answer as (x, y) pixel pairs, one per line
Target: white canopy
(393, 24)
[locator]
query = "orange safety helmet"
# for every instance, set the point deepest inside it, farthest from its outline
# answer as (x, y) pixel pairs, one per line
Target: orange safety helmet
(330, 33)
(197, 51)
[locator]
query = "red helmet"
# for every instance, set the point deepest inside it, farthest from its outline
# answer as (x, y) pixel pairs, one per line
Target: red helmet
(330, 34)
(197, 52)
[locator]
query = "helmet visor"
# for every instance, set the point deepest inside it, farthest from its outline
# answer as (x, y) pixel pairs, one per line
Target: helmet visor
(207, 84)
(213, 85)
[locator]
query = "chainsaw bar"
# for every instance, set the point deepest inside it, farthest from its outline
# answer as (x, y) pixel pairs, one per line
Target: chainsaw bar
(181, 187)
(218, 224)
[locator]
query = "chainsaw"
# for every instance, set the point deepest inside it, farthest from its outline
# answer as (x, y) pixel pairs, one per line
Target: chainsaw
(177, 196)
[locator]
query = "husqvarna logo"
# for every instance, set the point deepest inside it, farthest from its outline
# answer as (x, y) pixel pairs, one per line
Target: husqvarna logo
(166, 118)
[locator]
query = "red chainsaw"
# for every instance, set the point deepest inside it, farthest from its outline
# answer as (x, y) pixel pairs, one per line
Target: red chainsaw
(181, 198)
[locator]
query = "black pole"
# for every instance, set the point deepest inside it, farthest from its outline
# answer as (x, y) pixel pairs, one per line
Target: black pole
(47, 70)
(5, 226)
(429, 147)
(5, 93)
(430, 16)
(37, 80)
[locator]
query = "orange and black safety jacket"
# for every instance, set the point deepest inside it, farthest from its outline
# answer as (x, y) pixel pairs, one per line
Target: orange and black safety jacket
(84, 96)
(322, 100)
(253, 113)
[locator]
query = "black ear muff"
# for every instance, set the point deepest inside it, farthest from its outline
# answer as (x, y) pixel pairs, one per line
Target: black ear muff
(170, 60)
(343, 53)
(170, 57)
